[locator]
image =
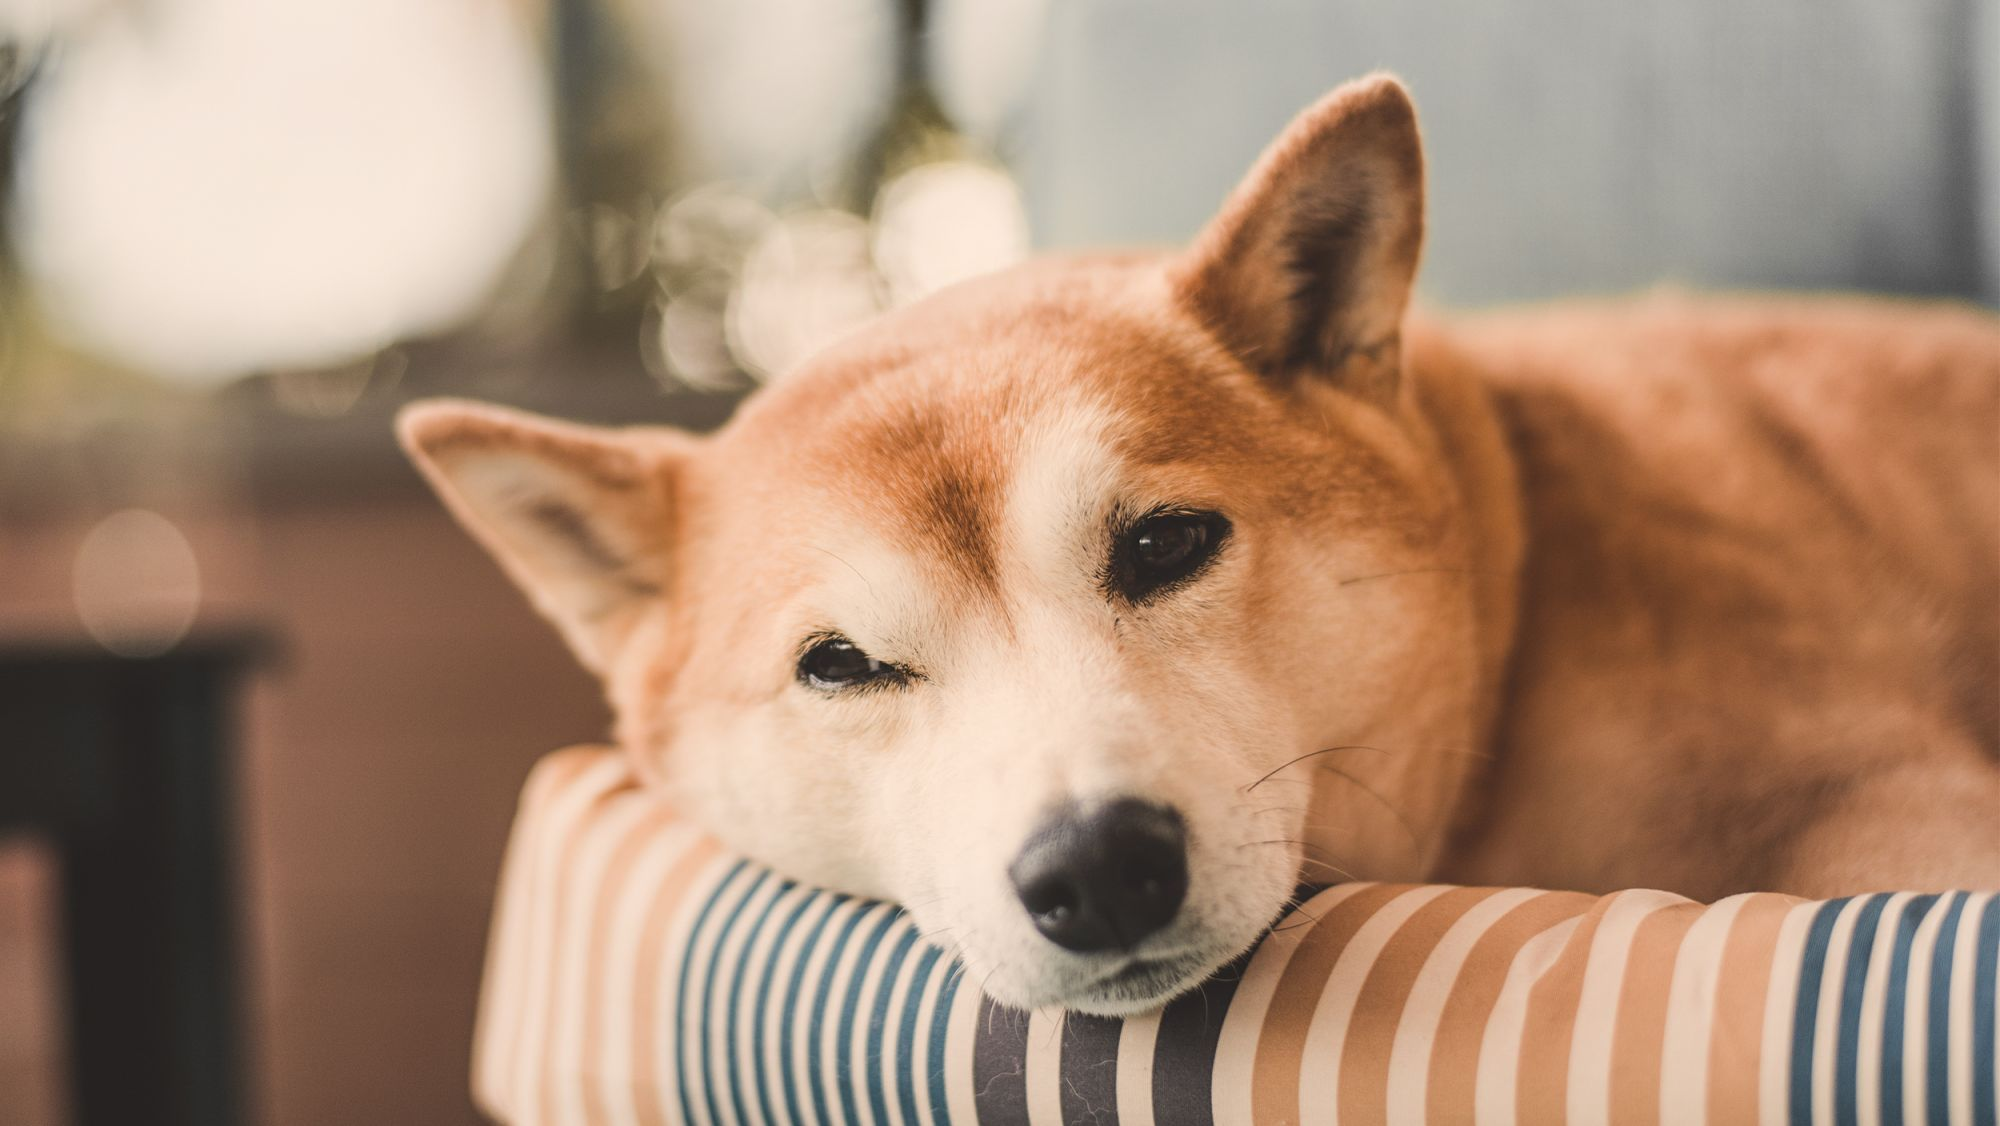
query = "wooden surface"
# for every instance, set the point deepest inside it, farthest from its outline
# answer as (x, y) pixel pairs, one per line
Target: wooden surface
(379, 765)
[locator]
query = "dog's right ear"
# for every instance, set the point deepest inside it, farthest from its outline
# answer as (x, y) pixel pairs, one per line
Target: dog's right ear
(1307, 270)
(580, 517)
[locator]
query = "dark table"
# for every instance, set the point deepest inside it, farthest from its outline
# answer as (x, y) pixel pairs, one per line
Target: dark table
(123, 766)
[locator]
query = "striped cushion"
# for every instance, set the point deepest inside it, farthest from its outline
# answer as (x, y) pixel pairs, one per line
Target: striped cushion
(638, 974)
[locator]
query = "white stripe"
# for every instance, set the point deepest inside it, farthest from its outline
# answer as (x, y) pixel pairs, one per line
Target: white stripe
(1042, 1067)
(919, 1048)
(794, 954)
(565, 812)
(816, 968)
(728, 957)
(1326, 1036)
(1416, 1032)
(1960, 1068)
(961, 1039)
(892, 1029)
(840, 975)
(610, 827)
(500, 998)
(1500, 1047)
(1136, 1040)
(893, 1047)
(1874, 993)
(667, 1078)
(699, 952)
(707, 1026)
(1826, 1019)
(627, 922)
(1916, 1009)
(872, 982)
(1774, 1062)
(1691, 1014)
(761, 957)
(1233, 1080)
(1589, 1094)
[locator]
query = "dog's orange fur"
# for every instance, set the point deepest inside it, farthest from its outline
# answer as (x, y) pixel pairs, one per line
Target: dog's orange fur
(1700, 594)
(1760, 636)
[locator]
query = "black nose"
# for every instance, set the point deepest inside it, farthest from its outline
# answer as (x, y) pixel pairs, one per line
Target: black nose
(1106, 879)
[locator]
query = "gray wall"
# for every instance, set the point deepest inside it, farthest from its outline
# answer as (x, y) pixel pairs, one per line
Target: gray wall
(1575, 145)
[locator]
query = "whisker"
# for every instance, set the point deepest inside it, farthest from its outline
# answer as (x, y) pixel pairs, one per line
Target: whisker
(846, 564)
(1279, 782)
(1309, 754)
(1268, 810)
(1416, 841)
(992, 1013)
(1272, 775)
(1334, 868)
(1331, 868)
(1294, 905)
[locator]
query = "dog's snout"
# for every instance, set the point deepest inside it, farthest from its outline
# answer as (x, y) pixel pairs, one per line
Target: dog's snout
(1105, 879)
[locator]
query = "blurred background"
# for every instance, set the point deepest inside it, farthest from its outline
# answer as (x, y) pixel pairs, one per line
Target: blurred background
(237, 234)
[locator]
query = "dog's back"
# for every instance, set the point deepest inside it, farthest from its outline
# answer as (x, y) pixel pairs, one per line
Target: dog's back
(1760, 634)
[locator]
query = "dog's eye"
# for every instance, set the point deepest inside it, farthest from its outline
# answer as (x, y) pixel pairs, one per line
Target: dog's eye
(833, 663)
(1165, 549)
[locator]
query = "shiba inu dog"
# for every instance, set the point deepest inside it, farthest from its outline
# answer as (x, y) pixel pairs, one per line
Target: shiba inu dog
(1088, 607)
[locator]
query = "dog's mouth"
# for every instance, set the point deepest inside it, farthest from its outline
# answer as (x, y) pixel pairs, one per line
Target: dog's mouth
(1141, 984)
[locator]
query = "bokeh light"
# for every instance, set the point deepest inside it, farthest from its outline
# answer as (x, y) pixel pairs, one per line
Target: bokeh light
(207, 188)
(981, 57)
(945, 222)
(807, 281)
(768, 92)
(136, 584)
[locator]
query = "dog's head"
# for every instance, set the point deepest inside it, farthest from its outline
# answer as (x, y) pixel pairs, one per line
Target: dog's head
(1014, 606)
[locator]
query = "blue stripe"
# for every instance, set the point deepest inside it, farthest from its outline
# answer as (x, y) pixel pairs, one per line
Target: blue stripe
(878, 1022)
(814, 1074)
(737, 1015)
(1847, 1037)
(940, 1028)
(906, 1069)
(757, 1029)
(793, 1112)
(843, 1045)
(1805, 1010)
(1894, 1002)
(681, 994)
(710, 1015)
(1937, 1085)
(1987, 969)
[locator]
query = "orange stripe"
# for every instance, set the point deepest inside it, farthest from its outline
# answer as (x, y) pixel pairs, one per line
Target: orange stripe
(1736, 1040)
(1452, 1090)
(561, 903)
(1541, 1091)
(554, 773)
(1281, 1043)
(617, 871)
(652, 1090)
(542, 938)
(1378, 1007)
(500, 1000)
(1638, 1041)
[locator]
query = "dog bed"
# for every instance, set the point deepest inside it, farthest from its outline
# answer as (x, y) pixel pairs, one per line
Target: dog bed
(639, 974)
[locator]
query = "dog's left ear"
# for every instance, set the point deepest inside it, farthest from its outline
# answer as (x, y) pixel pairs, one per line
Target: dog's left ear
(1307, 270)
(580, 517)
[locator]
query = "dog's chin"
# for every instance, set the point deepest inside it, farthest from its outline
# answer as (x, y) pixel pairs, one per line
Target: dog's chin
(1142, 985)
(1122, 987)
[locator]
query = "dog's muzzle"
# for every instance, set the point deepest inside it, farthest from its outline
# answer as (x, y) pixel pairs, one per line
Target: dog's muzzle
(1104, 880)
